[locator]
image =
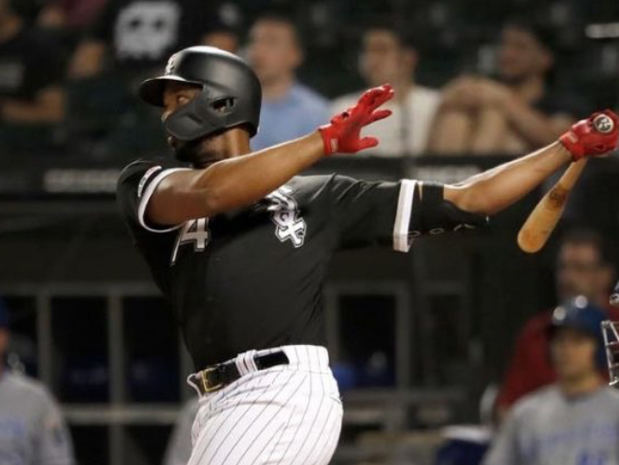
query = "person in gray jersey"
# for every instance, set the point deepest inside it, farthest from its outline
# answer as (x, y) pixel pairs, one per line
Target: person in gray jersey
(178, 451)
(576, 420)
(32, 430)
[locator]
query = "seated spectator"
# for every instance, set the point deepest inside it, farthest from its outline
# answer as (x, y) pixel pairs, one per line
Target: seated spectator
(31, 91)
(139, 35)
(388, 55)
(222, 36)
(179, 447)
(575, 421)
(69, 14)
(32, 430)
(583, 268)
(514, 114)
(289, 109)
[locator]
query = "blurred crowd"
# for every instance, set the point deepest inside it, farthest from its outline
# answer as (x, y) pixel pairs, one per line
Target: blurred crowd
(69, 69)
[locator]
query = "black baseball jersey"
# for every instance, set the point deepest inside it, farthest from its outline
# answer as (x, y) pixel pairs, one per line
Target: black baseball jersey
(252, 278)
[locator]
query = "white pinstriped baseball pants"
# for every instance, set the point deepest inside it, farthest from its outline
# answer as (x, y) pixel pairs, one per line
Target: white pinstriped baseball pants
(283, 415)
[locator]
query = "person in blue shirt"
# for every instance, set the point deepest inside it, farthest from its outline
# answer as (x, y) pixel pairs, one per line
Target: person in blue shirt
(289, 108)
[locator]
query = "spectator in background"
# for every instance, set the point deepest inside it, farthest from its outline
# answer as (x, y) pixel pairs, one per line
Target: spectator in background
(576, 420)
(289, 109)
(32, 431)
(223, 37)
(583, 268)
(70, 14)
(138, 35)
(514, 114)
(179, 447)
(31, 73)
(388, 55)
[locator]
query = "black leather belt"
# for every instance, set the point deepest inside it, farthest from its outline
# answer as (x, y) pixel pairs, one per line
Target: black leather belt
(218, 376)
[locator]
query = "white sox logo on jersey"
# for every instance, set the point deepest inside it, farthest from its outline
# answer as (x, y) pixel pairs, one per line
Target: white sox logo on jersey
(289, 226)
(284, 212)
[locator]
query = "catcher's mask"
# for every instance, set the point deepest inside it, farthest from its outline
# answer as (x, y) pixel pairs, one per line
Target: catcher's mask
(231, 94)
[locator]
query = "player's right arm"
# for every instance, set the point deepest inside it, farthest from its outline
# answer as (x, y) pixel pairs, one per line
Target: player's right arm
(240, 181)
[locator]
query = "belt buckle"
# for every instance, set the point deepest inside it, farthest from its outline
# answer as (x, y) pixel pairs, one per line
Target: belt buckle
(205, 385)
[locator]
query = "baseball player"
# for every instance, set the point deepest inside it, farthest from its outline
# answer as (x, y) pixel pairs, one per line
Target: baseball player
(576, 420)
(240, 245)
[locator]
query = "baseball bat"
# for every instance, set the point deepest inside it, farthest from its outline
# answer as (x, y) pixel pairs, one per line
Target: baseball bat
(542, 220)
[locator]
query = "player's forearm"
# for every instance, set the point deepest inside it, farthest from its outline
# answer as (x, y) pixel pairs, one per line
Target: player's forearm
(498, 188)
(241, 181)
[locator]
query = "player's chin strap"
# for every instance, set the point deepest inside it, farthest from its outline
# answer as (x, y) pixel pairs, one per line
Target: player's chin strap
(434, 215)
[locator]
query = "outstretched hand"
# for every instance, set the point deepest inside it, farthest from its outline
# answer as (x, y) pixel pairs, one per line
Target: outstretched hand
(343, 133)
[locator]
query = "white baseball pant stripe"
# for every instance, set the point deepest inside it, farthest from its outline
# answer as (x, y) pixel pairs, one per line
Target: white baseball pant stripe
(283, 415)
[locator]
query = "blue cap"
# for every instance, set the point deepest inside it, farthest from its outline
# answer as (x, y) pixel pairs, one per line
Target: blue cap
(581, 314)
(4, 315)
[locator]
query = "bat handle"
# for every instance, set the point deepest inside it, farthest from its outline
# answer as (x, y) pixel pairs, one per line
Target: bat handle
(572, 174)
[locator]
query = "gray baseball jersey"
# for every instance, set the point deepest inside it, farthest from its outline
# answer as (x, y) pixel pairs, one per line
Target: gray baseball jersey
(547, 428)
(32, 431)
(179, 447)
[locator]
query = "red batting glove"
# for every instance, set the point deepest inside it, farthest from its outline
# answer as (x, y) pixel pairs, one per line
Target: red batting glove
(593, 136)
(343, 133)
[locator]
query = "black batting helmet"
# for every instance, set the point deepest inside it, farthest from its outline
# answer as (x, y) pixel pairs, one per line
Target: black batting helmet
(231, 93)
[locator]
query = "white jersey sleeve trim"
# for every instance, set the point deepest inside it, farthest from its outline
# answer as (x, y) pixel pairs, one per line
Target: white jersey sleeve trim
(401, 239)
(148, 192)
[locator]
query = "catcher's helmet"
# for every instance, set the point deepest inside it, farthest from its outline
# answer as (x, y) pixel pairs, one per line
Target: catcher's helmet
(231, 93)
(578, 313)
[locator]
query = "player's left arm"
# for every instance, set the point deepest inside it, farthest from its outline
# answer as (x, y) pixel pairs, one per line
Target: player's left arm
(498, 188)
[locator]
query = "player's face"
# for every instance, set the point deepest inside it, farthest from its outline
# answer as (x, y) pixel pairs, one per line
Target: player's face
(273, 50)
(202, 151)
(580, 272)
(521, 55)
(573, 354)
(383, 59)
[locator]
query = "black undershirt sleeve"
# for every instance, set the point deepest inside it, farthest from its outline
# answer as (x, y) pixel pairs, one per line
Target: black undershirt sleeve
(393, 213)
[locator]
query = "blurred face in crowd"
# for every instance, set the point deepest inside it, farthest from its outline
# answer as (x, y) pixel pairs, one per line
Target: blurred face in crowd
(521, 55)
(384, 59)
(4, 8)
(224, 40)
(273, 50)
(202, 151)
(580, 270)
(573, 354)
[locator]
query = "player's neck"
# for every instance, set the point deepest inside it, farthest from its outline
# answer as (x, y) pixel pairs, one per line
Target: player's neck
(581, 386)
(236, 143)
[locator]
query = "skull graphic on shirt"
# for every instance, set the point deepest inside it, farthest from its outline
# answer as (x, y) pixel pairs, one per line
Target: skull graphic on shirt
(145, 30)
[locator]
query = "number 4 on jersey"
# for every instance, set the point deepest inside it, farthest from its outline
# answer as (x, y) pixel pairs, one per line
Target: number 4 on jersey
(193, 231)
